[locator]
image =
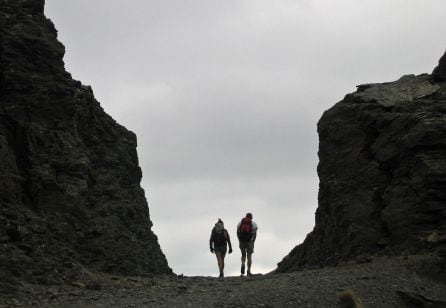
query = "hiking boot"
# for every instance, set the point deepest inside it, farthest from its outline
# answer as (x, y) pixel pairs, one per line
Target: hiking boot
(242, 270)
(221, 275)
(249, 273)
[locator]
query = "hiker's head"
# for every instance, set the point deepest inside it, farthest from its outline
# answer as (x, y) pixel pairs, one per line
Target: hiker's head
(249, 215)
(219, 222)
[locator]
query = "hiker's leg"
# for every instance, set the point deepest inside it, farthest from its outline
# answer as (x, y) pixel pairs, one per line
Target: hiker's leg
(223, 254)
(243, 256)
(242, 268)
(219, 260)
(250, 251)
(243, 250)
(249, 262)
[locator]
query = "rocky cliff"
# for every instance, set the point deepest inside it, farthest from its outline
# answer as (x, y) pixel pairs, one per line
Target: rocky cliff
(70, 190)
(382, 174)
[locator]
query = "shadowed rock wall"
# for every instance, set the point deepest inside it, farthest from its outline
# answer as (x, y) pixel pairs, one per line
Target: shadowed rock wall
(69, 184)
(382, 173)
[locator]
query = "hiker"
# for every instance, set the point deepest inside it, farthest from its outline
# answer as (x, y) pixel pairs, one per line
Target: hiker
(246, 233)
(218, 243)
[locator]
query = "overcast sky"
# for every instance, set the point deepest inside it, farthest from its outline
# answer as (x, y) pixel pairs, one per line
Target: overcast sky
(224, 97)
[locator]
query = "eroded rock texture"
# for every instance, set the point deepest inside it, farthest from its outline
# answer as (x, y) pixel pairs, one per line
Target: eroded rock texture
(382, 174)
(69, 183)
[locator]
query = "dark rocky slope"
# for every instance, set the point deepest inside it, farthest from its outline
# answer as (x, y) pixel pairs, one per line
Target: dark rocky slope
(382, 174)
(69, 184)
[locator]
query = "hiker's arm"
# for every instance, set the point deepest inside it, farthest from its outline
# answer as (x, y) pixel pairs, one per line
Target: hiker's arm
(254, 235)
(210, 244)
(254, 232)
(229, 242)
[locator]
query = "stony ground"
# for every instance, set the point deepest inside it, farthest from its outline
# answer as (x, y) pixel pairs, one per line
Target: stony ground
(382, 282)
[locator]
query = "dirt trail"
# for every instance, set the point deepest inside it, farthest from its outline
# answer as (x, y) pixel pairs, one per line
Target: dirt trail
(383, 282)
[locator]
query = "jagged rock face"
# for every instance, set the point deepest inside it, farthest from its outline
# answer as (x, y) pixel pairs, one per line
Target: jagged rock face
(439, 72)
(69, 185)
(382, 175)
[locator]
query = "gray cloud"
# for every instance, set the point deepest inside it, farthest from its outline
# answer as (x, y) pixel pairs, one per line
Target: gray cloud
(224, 97)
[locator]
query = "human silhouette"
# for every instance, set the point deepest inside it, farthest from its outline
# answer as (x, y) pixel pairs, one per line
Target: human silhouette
(246, 233)
(218, 243)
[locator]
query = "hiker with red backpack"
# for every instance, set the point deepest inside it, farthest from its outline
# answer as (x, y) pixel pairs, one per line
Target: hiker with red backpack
(246, 233)
(218, 243)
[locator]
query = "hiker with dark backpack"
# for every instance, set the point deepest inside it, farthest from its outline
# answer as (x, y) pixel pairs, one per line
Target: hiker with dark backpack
(246, 233)
(218, 243)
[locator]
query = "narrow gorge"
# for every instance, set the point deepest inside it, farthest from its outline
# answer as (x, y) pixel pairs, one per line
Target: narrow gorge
(75, 228)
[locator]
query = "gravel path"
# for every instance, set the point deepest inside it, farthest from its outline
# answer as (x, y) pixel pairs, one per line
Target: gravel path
(383, 282)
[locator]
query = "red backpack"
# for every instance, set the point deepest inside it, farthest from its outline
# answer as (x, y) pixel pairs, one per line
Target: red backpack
(245, 231)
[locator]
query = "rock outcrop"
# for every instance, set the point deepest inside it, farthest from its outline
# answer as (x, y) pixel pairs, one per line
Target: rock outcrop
(382, 174)
(70, 193)
(439, 72)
